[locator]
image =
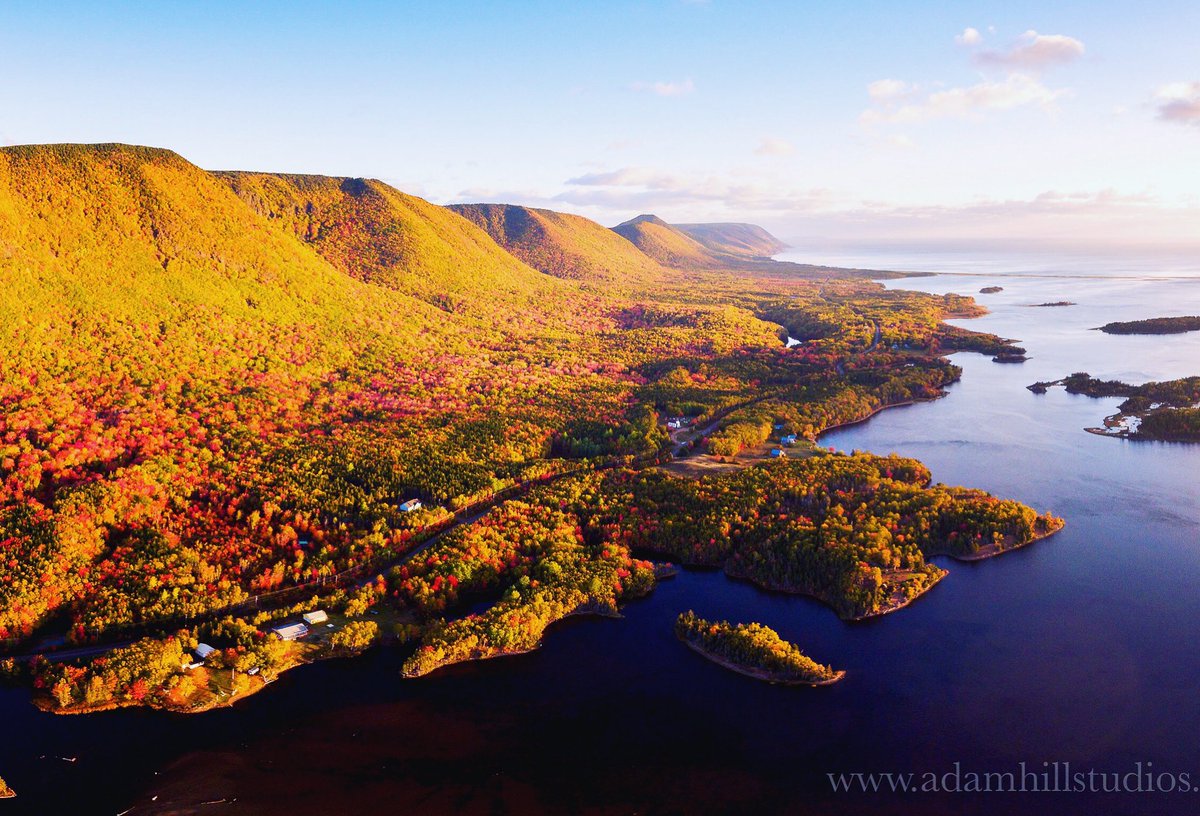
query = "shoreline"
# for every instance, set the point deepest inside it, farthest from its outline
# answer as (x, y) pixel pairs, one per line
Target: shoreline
(762, 674)
(1133, 436)
(891, 607)
(991, 550)
(515, 652)
(896, 606)
(258, 684)
(873, 414)
(43, 703)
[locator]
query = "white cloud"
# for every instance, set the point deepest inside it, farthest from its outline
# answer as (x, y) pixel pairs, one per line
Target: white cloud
(625, 177)
(887, 89)
(1179, 102)
(1076, 221)
(665, 88)
(773, 146)
(1034, 51)
(970, 36)
(642, 189)
(1017, 90)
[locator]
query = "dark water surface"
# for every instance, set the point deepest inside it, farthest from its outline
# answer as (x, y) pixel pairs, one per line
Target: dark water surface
(1077, 649)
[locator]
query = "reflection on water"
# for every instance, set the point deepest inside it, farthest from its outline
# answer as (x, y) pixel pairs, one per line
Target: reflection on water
(1078, 649)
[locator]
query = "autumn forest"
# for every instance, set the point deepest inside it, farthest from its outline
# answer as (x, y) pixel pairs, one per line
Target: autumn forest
(229, 398)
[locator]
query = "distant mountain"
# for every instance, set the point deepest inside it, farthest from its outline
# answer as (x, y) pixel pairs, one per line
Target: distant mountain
(739, 248)
(669, 245)
(562, 245)
(378, 234)
(747, 240)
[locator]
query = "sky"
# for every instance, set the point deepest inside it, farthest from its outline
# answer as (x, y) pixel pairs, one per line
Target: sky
(852, 125)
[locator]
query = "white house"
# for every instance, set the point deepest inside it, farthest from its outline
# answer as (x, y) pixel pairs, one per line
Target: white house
(313, 618)
(203, 650)
(290, 631)
(410, 505)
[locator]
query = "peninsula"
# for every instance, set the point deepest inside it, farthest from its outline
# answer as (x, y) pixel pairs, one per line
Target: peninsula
(1166, 411)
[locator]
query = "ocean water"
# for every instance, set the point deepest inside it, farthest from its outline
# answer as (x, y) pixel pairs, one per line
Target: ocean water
(1079, 649)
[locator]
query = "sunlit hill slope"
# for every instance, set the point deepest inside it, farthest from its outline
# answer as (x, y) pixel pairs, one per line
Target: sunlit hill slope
(566, 246)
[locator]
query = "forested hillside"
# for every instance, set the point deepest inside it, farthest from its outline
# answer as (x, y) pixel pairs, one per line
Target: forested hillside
(566, 246)
(734, 239)
(375, 233)
(668, 245)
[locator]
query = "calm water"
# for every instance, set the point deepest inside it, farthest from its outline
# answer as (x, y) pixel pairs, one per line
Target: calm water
(1080, 648)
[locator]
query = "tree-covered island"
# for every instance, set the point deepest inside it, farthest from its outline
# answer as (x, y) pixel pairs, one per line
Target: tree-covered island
(753, 650)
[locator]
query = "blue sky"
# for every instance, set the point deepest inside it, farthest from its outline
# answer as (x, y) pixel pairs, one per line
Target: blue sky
(874, 123)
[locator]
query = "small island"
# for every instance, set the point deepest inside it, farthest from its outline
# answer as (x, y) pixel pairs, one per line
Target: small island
(5, 791)
(1154, 325)
(1166, 411)
(753, 650)
(991, 290)
(1052, 305)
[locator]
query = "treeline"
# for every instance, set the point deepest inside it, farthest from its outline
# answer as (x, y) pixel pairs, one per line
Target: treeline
(1178, 424)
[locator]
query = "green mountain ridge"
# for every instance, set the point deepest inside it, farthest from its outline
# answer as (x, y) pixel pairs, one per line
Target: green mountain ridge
(563, 245)
(727, 238)
(374, 232)
(668, 245)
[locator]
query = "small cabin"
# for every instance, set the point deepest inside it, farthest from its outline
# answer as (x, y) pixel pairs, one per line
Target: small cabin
(202, 651)
(313, 618)
(788, 440)
(290, 631)
(410, 506)
(674, 424)
(778, 453)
